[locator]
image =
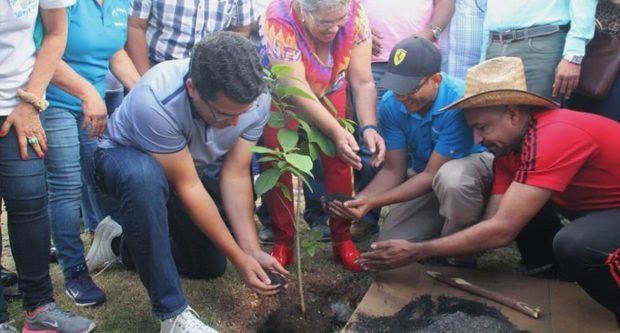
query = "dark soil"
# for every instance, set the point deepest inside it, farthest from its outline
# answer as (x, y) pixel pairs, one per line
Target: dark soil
(447, 315)
(277, 279)
(329, 305)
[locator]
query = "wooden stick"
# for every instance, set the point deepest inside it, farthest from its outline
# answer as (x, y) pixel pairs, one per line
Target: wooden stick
(461, 284)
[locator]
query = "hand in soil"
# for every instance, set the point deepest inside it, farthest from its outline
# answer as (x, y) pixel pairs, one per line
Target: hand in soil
(254, 276)
(278, 280)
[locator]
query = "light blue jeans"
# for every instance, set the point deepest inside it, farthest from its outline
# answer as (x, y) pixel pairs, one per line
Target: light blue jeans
(69, 161)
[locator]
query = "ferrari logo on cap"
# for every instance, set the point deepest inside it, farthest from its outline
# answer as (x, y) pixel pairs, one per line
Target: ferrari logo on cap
(399, 56)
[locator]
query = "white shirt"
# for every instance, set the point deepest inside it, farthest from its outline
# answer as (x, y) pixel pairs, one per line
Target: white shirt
(17, 49)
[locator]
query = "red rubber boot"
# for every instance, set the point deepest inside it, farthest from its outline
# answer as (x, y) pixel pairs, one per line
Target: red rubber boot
(347, 253)
(283, 254)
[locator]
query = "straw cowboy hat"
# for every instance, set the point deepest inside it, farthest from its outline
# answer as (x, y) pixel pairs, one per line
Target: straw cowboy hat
(498, 81)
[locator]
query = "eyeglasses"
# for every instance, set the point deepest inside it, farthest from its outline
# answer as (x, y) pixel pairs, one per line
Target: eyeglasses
(219, 116)
(325, 24)
(414, 91)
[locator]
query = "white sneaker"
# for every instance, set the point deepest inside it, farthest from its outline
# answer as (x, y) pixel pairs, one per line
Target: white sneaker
(186, 322)
(100, 255)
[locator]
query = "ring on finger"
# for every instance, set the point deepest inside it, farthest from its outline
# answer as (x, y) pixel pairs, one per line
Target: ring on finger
(33, 140)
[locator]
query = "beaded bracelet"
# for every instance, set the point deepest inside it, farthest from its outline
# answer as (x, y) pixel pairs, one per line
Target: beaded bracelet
(364, 128)
(38, 103)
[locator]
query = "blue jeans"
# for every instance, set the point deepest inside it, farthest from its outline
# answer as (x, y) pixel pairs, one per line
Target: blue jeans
(91, 219)
(159, 239)
(22, 185)
(69, 161)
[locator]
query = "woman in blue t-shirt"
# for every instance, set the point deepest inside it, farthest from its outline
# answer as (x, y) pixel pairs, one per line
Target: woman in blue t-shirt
(76, 117)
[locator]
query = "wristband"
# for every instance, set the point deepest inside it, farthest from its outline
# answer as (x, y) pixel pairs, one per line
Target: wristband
(364, 128)
(38, 103)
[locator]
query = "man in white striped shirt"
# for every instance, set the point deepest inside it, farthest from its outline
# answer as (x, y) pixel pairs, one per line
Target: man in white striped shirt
(162, 30)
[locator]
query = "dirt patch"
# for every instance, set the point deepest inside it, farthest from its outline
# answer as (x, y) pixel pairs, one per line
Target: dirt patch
(447, 314)
(330, 302)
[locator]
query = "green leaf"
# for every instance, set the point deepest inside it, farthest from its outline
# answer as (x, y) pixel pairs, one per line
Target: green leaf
(266, 181)
(286, 191)
(302, 176)
(305, 127)
(297, 92)
(301, 162)
(288, 139)
(281, 70)
(277, 119)
(313, 151)
(267, 159)
(263, 150)
(326, 144)
(315, 236)
(281, 165)
(311, 251)
(348, 124)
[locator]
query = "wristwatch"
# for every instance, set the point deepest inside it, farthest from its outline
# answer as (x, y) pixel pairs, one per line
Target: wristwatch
(575, 59)
(435, 30)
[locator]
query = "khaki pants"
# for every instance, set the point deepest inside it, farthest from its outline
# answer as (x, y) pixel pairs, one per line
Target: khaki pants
(460, 190)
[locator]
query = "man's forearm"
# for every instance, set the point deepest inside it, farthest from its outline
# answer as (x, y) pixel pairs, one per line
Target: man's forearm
(414, 187)
(442, 13)
(239, 207)
(137, 49)
(485, 235)
(385, 180)
(52, 49)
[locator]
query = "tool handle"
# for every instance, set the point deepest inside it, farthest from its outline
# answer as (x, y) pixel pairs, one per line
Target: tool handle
(461, 284)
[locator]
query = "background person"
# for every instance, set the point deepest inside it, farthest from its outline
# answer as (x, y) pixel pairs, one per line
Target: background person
(24, 75)
(326, 44)
(76, 117)
(161, 30)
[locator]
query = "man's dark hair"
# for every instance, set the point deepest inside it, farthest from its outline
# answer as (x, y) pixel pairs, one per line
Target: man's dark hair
(225, 61)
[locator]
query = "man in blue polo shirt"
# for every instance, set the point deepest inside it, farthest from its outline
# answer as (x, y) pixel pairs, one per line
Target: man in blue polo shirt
(176, 155)
(432, 168)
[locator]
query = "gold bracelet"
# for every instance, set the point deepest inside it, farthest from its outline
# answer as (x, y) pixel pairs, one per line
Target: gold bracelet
(39, 103)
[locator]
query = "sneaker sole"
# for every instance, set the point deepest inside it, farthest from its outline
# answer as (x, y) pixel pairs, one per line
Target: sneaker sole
(94, 248)
(26, 329)
(84, 305)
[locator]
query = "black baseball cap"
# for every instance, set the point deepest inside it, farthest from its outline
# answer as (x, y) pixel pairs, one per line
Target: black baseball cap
(410, 61)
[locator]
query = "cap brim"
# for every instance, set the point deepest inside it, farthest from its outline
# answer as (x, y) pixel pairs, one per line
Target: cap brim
(502, 97)
(399, 84)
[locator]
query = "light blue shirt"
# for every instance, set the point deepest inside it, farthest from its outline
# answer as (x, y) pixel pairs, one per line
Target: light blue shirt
(96, 33)
(157, 116)
(504, 15)
(444, 132)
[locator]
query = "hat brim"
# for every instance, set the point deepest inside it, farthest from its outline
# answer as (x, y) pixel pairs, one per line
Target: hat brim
(399, 84)
(502, 97)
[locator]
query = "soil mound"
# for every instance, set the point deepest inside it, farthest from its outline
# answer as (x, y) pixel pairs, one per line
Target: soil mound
(446, 315)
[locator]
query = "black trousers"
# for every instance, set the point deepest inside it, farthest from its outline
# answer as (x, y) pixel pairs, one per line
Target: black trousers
(586, 251)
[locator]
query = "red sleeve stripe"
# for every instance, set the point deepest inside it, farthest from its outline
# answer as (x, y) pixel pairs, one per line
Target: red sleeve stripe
(528, 154)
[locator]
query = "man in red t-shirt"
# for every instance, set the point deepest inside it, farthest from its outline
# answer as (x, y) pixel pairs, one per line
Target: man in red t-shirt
(548, 160)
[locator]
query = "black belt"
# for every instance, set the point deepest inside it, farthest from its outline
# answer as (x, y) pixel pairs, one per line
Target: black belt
(510, 36)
